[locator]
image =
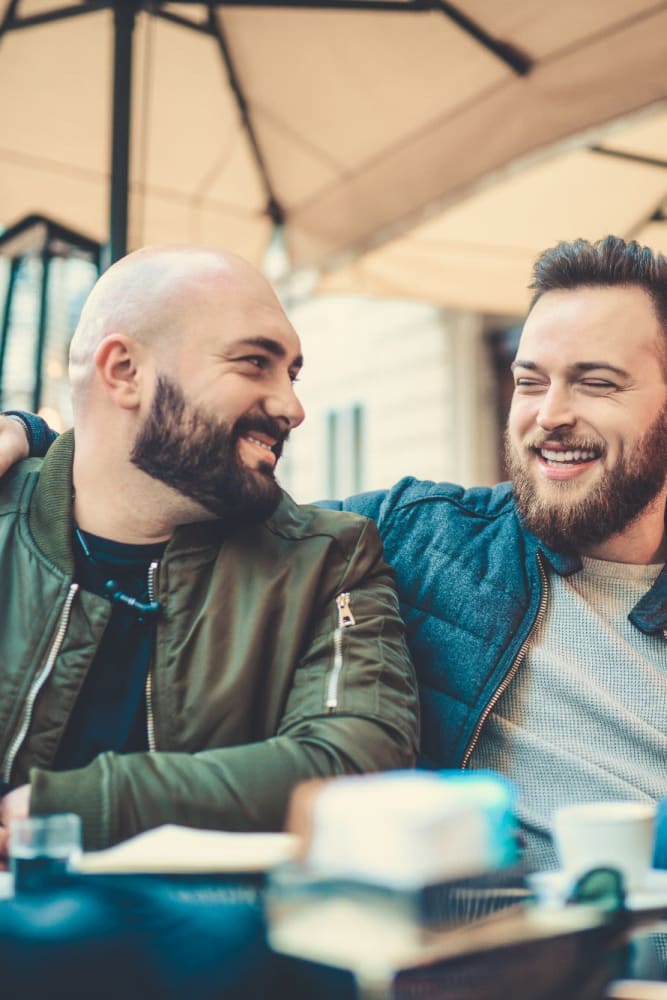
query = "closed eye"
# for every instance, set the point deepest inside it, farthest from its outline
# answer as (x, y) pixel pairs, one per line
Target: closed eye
(598, 384)
(525, 383)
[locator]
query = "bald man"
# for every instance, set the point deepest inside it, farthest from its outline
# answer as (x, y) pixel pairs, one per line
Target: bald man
(180, 642)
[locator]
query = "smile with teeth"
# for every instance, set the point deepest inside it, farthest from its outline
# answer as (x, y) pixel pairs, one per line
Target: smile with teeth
(260, 444)
(575, 456)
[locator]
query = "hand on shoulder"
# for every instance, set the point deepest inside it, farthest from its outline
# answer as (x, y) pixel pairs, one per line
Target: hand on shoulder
(13, 443)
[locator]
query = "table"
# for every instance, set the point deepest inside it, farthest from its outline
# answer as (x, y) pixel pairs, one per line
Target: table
(363, 942)
(135, 938)
(204, 938)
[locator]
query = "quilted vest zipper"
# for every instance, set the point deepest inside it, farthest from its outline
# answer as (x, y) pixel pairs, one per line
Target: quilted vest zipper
(150, 717)
(511, 673)
(38, 684)
(345, 619)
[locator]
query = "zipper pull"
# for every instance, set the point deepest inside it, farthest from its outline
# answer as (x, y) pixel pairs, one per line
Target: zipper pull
(345, 616)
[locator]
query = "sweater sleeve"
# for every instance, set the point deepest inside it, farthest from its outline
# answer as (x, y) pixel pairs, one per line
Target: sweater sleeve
(40, 436)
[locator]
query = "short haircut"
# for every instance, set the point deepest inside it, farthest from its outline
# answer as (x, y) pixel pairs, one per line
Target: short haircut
(609, 262)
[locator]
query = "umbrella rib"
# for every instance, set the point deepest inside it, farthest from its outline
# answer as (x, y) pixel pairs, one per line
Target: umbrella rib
(13, 23)
(9, 17)
(166, 15)
(657, 215)
(510, 55)
(619, 154)
(274, 209)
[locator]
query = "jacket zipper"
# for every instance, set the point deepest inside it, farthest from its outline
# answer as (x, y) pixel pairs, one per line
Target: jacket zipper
(511, 673)
(150, 717)
(345, 619)
(38, 683)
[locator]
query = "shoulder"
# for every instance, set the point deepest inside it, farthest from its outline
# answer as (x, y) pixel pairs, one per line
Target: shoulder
(301, 522)
(17, 484)
(419, 498)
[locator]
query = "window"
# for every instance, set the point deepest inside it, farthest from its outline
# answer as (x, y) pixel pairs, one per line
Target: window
(344, 450)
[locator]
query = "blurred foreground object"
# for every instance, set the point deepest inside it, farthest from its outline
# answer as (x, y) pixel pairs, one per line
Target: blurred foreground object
(406, 890)
(407, 829)
(43, 850)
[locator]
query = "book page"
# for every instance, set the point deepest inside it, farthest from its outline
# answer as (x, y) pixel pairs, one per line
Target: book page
(181, 849)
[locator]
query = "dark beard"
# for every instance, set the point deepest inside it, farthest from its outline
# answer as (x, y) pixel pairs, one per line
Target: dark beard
(613, 504)
(190, 451)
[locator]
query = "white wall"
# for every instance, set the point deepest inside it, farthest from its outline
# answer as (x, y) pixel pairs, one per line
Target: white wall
(420, 373)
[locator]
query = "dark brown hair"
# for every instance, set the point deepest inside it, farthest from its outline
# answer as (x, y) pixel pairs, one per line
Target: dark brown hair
(608, 262)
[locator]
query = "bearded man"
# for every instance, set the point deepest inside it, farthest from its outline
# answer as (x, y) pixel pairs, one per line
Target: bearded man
(536, 611)
(179, 641)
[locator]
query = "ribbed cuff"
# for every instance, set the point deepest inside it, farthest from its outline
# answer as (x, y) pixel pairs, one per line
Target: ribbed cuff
(39, 434)
(84, 791)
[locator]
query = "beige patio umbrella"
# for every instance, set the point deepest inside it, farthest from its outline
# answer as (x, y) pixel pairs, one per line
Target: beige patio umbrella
(478, 254)
(347, 121)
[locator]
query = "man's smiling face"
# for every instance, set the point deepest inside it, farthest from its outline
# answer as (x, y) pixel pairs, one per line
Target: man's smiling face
(224, 400)
(587, 432)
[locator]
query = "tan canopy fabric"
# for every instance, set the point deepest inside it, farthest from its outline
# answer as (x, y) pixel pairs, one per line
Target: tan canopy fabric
(478, 254)
(368, 117)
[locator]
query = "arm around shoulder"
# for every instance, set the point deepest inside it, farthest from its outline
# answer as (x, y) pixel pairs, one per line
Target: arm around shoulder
(22, 435)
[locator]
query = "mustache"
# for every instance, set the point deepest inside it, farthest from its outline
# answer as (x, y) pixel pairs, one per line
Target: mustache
(262, 424)
(567, 443)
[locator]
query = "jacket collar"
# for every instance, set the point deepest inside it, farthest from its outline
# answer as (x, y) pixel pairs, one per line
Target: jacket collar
(50, 514)
(563, 563)
(649, 614)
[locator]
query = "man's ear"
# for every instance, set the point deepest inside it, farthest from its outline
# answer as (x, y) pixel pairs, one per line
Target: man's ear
(118, 364)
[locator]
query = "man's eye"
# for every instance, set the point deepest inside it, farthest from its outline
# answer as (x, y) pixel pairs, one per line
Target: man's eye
(256, 360)
(527, 383)
(600, 384)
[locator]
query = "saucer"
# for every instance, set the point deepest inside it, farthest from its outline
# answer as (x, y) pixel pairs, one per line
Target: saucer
(651, 894)
(553, 889)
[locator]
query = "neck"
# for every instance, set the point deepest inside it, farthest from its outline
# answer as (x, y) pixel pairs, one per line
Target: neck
(115, 500)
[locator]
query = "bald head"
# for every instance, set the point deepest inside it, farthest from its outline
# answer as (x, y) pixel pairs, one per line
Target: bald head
(147, 295)
(183, 368)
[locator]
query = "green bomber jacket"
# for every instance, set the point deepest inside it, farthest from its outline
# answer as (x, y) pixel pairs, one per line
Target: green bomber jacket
(279, 656)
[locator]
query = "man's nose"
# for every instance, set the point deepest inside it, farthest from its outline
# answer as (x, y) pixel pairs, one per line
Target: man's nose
(555, 409)
(282, 403)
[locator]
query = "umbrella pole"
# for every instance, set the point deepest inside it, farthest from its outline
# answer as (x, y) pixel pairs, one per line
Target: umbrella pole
(124, 16)
(42, 329)
(6, 318)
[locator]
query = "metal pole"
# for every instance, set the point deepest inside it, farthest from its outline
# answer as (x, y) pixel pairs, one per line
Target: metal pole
(41, 330)
(124, 16)
(6, 318)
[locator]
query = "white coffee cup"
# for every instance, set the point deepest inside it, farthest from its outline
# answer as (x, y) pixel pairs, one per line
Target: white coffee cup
(606, 835)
